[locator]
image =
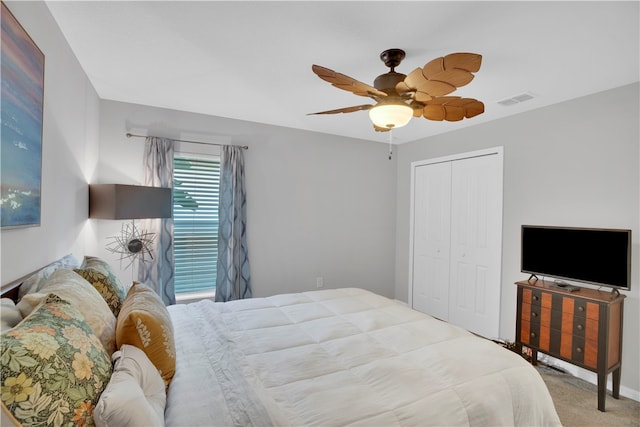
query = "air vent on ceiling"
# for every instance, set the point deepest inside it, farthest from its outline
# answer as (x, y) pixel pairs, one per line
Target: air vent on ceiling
(516, 99)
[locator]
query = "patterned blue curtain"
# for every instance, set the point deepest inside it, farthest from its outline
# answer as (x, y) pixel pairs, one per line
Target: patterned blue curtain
(158, 172)
(233, 280)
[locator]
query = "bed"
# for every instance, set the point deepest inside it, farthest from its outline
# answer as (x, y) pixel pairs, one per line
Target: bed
(327, 358)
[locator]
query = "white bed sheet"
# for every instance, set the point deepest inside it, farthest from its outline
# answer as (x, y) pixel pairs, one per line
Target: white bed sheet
(343, 357)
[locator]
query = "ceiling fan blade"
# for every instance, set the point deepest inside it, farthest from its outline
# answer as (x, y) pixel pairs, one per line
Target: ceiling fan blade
(433, 112)
(455, 77)
(418, 112)
(445, 100)
(440, 113)
(455, 69)
(453, 113)
(411, 82)
(465, 61)
(402, 88)
(452, 108)
(380, 129)
(433, 68)
(469, 62)
(344, 82)
(473, 109)
(345, 110)
(419, 81)
(435, 87)
(422, 97)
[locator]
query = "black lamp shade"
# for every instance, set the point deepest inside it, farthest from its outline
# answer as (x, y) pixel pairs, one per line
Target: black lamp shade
(119, 201)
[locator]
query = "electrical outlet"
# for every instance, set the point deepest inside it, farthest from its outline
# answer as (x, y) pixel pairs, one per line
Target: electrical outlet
(319, 282)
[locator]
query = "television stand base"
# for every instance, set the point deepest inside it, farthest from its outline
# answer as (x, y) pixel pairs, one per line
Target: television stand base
(565, 286)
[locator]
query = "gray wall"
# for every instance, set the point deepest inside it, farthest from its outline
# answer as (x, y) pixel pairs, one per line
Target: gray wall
(318, 205)
(69, 151)
(574, 164)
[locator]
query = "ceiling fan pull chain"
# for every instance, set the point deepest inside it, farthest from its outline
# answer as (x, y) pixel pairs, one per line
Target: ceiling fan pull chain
(390, 140)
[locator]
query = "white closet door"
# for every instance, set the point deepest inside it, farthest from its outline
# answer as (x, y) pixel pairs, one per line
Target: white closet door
(431, 239)
(476, 221)
(456, 239)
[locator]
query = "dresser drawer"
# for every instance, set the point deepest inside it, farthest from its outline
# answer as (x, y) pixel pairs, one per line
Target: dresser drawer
(536, 298)
(532, 297)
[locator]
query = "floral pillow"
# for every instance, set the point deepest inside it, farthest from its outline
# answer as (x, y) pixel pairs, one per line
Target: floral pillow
(101, 276)
(77, 291)
(53, 367)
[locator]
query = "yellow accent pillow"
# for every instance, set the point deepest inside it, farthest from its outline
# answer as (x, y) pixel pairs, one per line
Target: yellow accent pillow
(101, 276)
(73, 288)
(144, 322)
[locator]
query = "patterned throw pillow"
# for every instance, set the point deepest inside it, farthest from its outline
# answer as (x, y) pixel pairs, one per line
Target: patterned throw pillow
(101, 276)
(78, 292)
(144, 322)
(53, 367)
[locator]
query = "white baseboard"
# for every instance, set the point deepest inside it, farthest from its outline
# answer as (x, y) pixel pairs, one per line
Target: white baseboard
(401, 302)
(586, 375)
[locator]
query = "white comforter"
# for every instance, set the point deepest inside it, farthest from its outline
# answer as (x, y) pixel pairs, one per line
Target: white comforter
(343, 357)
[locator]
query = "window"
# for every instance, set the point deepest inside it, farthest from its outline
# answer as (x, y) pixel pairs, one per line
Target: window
(196, 183)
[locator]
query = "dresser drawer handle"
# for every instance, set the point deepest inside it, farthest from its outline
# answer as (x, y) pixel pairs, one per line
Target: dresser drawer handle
(533, 334)
(534, 314)
(580, 327)
(536, 297)
(580, 308)
(579, 349)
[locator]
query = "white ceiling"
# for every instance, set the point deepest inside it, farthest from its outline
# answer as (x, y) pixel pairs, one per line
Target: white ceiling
(251, 60)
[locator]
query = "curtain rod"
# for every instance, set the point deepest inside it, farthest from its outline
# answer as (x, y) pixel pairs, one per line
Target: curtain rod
(132, 135)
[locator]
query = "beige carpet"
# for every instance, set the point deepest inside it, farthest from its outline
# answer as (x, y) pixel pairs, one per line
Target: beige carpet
(576, 402)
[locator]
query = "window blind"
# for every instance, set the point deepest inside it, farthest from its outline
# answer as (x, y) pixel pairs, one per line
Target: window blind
(196, 189)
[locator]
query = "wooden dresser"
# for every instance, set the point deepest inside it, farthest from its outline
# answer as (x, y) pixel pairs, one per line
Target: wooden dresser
(583, 327)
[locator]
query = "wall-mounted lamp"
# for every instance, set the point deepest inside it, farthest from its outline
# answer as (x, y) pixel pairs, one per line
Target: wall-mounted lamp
(119, 201)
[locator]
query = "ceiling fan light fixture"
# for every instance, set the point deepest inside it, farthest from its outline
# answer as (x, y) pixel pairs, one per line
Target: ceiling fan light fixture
(391, 116)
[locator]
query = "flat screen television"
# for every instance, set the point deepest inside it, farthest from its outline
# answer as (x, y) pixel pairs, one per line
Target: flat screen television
(599, 256)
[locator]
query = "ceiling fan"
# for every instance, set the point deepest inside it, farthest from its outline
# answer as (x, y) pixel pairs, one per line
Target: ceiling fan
(421, 93)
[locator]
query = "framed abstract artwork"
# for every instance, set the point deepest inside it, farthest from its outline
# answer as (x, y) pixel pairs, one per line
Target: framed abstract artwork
(22, 71)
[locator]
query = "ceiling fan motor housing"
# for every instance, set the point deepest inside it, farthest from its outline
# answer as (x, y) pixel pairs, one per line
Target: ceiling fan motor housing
(387, 82)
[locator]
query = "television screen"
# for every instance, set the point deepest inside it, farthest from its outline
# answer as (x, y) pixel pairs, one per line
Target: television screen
(591, 255)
